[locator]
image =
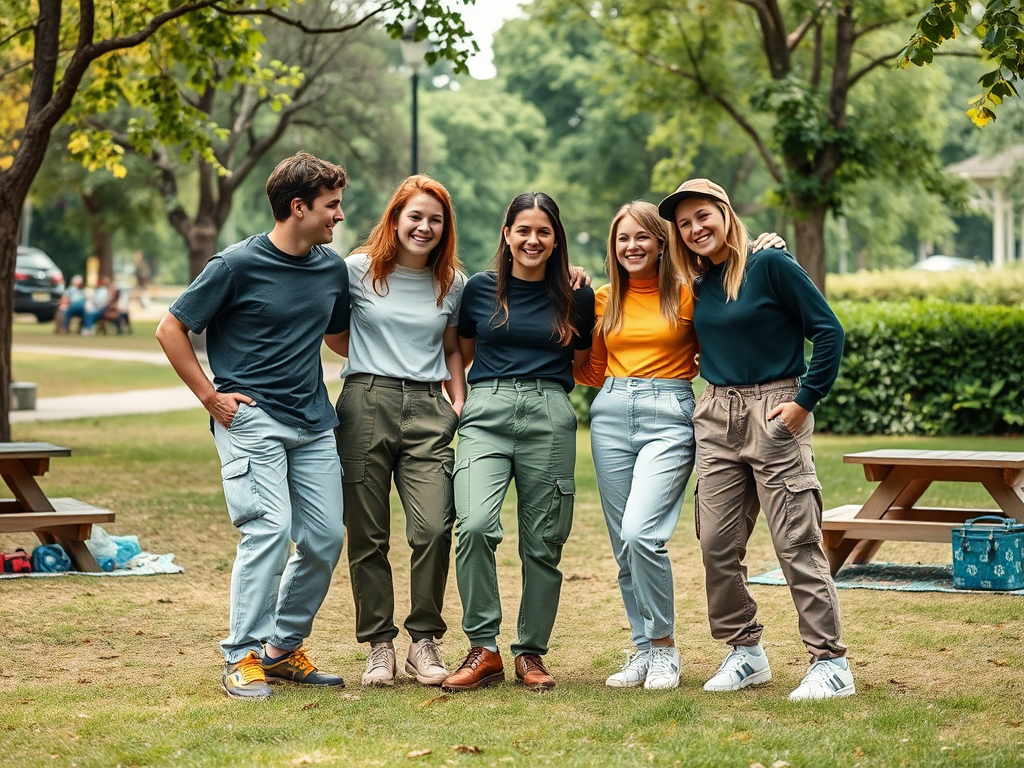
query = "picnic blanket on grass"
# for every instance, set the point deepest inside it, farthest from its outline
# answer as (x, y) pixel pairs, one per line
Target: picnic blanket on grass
(143, 564)
(900, 577)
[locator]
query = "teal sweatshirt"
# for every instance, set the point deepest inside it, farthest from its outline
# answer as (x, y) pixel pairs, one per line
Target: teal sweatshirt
(759, 337)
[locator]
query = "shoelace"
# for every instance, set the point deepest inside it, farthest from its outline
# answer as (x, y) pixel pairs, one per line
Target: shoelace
(429, 655)
(531, 662)
(473, 658)
(380, 656)
(636, 660)
(300, 660)
(661, 660)
(250, 669)
(732, 662)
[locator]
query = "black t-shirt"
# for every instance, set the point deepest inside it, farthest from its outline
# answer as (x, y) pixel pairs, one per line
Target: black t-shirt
(525, 346)
(265, 314)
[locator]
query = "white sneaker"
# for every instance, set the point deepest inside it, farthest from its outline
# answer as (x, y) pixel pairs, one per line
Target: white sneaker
(740, 669)
(425, 663)
(664, 671)
(380, 665)
(633, 672)
(825, 680)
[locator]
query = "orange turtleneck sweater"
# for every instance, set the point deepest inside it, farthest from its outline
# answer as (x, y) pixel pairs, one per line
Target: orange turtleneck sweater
(646, 346)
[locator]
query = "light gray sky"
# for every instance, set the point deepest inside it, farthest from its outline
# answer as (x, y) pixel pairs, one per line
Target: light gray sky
(483, 19)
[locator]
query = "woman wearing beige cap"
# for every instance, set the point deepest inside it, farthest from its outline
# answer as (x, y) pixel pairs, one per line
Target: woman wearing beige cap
(753, 425)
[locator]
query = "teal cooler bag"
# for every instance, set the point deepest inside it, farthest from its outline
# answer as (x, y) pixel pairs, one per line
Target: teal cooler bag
(987, 554)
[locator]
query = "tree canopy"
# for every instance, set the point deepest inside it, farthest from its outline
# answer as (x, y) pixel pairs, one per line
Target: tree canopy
(68, 60)
(1000, 28)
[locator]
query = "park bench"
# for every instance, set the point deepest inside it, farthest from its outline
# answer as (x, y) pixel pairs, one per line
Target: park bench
(63, 521)
(855, 532)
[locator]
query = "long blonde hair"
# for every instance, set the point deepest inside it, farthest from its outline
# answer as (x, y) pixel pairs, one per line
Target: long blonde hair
(669, 280)
(736, 238)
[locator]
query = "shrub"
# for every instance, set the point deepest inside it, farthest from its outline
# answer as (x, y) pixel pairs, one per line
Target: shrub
(1004, 287)
(927, 368)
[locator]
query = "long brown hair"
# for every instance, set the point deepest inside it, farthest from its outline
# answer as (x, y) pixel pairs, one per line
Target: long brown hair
(669, 280)
(381, 245)
(556, 270)
(736, 238)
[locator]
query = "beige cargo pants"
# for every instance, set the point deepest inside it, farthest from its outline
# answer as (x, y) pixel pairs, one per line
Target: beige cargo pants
(746, 463)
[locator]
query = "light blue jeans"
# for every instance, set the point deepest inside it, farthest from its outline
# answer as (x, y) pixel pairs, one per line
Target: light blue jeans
(641, 436)
(282, 484)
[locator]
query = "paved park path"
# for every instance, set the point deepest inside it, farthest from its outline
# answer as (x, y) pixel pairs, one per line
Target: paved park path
(159, 400)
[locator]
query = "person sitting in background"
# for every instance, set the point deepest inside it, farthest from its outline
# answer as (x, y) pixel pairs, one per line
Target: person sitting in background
(74, 303)
(106, 300)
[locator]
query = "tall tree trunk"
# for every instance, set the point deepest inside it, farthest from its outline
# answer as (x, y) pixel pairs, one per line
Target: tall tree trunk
(202, 244)
(102, 239)
(9, 215)
(810, 243)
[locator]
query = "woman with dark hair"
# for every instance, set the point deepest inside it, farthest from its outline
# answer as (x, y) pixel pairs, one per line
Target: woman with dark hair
(643, 358)
(521, 326)
(402, 348)
(753, 424)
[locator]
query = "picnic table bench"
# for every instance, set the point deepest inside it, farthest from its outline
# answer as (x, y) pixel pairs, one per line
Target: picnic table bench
(855, 532)
(63, 521)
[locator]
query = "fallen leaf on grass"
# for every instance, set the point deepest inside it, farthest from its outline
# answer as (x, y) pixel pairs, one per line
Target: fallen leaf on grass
(84, 681)
(436, 700)
(1015, 723)
(946, 749)
(740, 736)
(858, 752)
(577, 577)
(466, 749)
(115, 656)
(311, 705)
(419, 753)
(997, 662)
(165, 600)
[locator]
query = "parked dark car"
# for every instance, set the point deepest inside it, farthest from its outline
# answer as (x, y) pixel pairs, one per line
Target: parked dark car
(38, 284)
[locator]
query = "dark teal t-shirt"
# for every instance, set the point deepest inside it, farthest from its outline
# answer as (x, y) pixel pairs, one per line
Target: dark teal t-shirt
(525, 347)
(265, 314)
(759, 337)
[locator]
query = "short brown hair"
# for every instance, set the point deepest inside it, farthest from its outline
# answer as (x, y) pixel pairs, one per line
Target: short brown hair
(301, 176)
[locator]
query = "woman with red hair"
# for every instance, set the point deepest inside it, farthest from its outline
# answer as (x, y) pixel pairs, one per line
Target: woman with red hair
(402, 349)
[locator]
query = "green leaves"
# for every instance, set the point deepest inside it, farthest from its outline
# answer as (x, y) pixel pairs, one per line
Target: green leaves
(1000, 30)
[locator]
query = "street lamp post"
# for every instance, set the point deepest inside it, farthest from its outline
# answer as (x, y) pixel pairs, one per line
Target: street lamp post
(412, 52)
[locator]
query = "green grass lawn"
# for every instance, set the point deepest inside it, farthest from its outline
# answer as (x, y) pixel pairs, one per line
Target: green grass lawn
(105, 671)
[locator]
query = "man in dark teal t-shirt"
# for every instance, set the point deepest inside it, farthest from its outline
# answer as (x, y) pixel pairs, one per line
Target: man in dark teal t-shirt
(265, 304)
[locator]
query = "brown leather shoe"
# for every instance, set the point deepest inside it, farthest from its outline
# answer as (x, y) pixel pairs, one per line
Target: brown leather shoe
(480, 669)
(531, 672)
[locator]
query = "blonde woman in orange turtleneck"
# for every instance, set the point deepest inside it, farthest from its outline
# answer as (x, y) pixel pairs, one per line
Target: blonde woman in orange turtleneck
(643, 358)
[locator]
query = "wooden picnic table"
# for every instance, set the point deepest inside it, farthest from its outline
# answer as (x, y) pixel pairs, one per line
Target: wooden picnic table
(63, 521)
(855, 532)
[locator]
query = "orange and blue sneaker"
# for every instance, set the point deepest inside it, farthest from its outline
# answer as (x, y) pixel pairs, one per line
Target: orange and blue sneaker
(297, 668)
(245, 679)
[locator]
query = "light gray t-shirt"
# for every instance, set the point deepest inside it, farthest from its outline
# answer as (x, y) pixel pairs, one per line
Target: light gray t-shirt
(399, 334)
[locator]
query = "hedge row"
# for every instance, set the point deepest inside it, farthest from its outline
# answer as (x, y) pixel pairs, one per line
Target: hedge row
(919, 368)
(1004, 287)
(928, 368)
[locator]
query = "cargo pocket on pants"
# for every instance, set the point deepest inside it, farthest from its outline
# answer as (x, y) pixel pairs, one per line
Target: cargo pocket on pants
(803, 509)
(240, 494)
(559, 522)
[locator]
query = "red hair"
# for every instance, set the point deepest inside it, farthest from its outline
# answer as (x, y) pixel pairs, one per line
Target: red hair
(381, 245)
